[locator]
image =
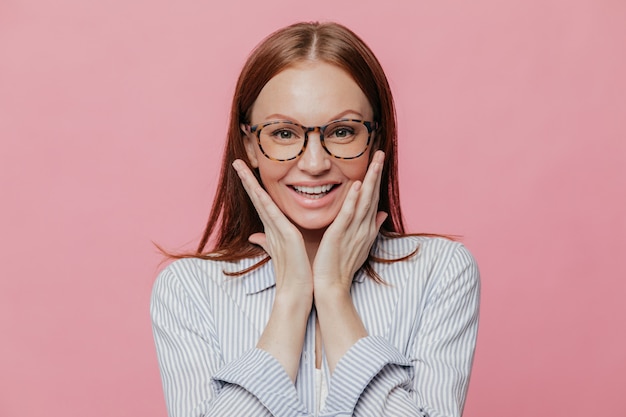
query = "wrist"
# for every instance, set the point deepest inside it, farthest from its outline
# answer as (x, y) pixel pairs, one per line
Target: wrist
(340, 324)
(293, 305)
(332, 294)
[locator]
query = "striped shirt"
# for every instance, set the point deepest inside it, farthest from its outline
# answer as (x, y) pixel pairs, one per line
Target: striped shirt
(416, 360)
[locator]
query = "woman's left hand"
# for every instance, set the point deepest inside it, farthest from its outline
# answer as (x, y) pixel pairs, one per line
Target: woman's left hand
(346, 243)
(344, 248)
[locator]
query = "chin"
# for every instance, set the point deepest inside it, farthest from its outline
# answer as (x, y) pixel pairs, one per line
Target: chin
(312, 225)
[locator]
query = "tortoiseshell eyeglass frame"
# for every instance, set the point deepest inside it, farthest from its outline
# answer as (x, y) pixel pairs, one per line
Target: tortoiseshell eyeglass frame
(370, 126)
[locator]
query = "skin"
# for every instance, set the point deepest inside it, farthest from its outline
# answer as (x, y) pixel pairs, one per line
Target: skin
(318, 244)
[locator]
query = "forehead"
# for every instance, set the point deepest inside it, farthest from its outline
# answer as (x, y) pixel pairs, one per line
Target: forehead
(311, 93)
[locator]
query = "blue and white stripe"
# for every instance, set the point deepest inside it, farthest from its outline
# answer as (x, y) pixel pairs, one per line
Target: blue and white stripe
(416, 360)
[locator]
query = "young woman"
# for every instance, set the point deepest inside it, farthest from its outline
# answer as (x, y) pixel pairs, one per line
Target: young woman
(311, 299)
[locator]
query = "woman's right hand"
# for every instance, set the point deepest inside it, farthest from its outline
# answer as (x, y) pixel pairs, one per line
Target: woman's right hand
(281, 240)
(283, 336)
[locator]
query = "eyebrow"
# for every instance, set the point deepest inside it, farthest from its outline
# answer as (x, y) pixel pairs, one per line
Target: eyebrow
(279, 116)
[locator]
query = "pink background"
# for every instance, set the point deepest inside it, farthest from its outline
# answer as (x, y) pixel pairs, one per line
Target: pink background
(512, 131)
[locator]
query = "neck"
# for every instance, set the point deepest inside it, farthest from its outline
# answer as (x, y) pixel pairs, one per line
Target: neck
(312, 239)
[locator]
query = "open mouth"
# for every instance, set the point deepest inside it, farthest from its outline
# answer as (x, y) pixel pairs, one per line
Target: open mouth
(316, 192)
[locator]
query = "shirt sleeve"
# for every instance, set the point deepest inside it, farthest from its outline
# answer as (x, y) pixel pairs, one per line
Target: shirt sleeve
(196, 382)
(374, 378)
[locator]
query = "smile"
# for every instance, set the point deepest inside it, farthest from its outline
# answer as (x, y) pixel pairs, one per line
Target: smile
(318, 191)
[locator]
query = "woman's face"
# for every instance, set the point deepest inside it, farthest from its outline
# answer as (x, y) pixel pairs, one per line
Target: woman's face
(311, 94)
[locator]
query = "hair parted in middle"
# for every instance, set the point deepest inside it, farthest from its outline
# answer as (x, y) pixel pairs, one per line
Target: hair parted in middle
(233, 217)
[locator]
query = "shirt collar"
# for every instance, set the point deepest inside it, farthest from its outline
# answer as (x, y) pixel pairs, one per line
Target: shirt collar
(359, 276)
(260, 279)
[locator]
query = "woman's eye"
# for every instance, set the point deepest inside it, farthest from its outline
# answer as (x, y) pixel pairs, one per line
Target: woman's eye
(283, 134)
(342, 132)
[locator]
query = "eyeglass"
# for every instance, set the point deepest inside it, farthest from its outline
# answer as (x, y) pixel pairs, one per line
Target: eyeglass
(284, 140)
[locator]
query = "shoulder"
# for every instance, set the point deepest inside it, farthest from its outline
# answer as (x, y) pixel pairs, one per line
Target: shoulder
(420, 246)
(204, 269)
(184, 272)
(198, 288)
(431, 258)
(199, 276)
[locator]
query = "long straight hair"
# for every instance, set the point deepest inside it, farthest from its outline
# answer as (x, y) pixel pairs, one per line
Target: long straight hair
(233, 217)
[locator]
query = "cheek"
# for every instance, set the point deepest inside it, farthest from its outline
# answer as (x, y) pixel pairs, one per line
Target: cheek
(271, 172)
(357, 171)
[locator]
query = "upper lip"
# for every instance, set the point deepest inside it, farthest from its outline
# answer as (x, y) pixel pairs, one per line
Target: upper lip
(312, 183)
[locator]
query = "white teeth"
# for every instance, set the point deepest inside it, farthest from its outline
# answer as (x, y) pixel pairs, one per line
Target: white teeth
(313, 190)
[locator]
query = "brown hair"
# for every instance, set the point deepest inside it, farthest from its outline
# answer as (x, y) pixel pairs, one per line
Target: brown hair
(233, 218)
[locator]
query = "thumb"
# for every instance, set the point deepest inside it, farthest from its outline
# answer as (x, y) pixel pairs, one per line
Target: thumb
(381, 216)
(259, 239)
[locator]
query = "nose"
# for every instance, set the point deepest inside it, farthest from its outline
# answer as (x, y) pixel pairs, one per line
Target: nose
(314, 160)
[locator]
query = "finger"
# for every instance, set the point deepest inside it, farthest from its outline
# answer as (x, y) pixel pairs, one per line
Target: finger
(348, 208)
(370, 190)
(361, 202)
(380, 164)
(268, 211)
(376, 197)
(375, 173)
(253, 189)
(248, 180)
